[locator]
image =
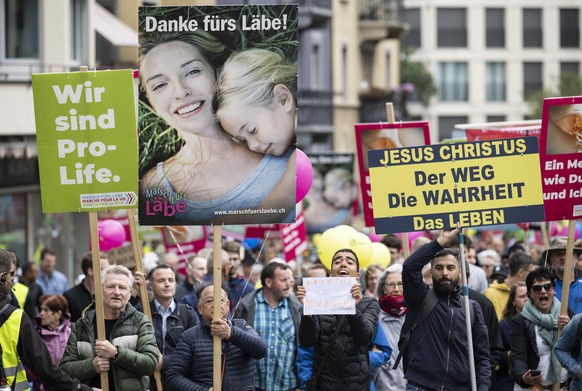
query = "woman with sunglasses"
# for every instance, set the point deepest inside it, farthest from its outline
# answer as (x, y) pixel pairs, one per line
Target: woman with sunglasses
(534, 333)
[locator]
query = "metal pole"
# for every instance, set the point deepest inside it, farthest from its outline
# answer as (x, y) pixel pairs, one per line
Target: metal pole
(468, 323)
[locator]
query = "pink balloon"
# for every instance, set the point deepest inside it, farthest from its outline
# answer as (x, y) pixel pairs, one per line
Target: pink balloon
(304, 175)
(374, 237)
(111, 234)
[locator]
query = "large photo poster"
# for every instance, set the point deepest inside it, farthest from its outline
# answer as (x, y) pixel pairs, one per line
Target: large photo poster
(561, 157)
(333, 195)
(217, 114)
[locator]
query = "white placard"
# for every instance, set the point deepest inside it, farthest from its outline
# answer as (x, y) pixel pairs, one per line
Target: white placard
(329, 296)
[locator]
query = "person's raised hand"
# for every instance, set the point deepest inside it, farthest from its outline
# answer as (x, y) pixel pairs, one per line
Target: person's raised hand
(446, 237)
(356, 292)
(301, 293)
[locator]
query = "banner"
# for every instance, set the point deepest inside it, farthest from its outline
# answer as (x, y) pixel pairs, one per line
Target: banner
(375, 136)
(87, 140)
(475, 184)
(561, 158)
(217, 114)
(294, 238)
(333, 194)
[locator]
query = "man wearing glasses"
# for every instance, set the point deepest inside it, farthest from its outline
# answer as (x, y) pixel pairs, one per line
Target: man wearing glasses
(21, 343)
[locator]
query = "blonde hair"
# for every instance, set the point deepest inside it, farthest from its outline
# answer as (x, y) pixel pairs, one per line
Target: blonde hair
(249, 78)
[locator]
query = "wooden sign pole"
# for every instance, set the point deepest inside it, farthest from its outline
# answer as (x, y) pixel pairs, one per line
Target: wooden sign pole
(98, 288)
(391, 120)
(217, 299)
(143, 292)
(99, 314)
(567, 280)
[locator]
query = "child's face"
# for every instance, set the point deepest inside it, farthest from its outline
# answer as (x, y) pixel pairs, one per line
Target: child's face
(339, 194)
(180, 86)
(265, 129)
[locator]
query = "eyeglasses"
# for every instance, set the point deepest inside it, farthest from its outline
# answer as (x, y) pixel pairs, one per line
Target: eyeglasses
(393, 285)
(538, 288)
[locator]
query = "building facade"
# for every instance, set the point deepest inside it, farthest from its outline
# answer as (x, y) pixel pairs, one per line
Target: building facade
(487, 56)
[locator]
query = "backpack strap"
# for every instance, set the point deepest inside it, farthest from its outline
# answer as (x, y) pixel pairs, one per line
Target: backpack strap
(427, 305)
(5, 313)
(184, 314)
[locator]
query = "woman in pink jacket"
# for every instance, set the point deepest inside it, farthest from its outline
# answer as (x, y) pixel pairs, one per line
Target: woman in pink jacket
(54, 325)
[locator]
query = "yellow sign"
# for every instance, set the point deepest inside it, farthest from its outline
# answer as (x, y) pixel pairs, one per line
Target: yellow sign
(434, 187)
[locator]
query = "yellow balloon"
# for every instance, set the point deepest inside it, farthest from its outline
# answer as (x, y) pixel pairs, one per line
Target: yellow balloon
(329, 242)
(315, 239)
(362, 246)
(380, 255)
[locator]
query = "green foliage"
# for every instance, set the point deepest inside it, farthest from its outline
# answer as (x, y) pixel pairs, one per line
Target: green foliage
(569, 84)
(417, 74)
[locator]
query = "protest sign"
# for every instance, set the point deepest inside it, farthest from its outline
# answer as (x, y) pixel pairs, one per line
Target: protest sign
(374, 136)
(203, 63)
(475, 184)
(328, 296)
(333, 194)
(293, 237)
(561, 157)
(87, 140)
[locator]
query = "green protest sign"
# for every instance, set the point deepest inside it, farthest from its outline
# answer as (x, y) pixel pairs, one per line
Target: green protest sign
(87, 140)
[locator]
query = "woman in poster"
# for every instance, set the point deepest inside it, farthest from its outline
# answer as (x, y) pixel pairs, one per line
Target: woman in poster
(209, 173)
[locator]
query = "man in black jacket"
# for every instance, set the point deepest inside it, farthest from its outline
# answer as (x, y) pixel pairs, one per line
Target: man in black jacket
(437, 350)
(81, 295)
(347, 366)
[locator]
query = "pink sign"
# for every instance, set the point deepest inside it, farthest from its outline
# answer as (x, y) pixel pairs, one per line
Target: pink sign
(561, 158)
(371, 136)
(293, 236)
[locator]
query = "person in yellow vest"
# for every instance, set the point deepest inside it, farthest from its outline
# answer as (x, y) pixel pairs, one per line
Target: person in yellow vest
(21, 344)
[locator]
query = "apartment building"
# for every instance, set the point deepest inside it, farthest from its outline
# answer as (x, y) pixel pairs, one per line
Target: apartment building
(486, 56)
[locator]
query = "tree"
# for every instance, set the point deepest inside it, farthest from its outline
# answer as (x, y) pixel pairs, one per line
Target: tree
(416, 73)
(569, 84)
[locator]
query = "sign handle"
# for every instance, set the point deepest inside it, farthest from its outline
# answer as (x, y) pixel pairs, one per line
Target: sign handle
(391, 120)
(99, 315)
(143, 292)
(217, 313)
(567, 280)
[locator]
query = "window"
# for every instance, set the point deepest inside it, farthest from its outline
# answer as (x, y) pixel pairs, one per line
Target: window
(452, 27)
(495, 118)
(452, 82)
(345, 73)
(532, 77)
(447, 126)
(570, 67)
(495, 81)
(569, 28)
(21, 35)
(532, 28)
(77, 31)
(412, 38)
(495, 27)
(315, 59)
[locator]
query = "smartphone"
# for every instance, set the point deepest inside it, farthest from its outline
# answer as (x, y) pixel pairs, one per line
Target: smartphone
(535, 373)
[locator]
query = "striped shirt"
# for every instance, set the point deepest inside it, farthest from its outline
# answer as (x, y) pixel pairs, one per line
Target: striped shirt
(276, 371)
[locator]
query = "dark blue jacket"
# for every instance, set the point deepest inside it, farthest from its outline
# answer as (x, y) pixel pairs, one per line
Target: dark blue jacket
(190, 367)
(437, 351)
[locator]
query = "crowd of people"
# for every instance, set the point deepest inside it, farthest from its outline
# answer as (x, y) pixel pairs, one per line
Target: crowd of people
(409, 330)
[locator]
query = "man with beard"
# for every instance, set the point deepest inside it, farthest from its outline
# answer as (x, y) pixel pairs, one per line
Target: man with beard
(437, 352)
(275, 313)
